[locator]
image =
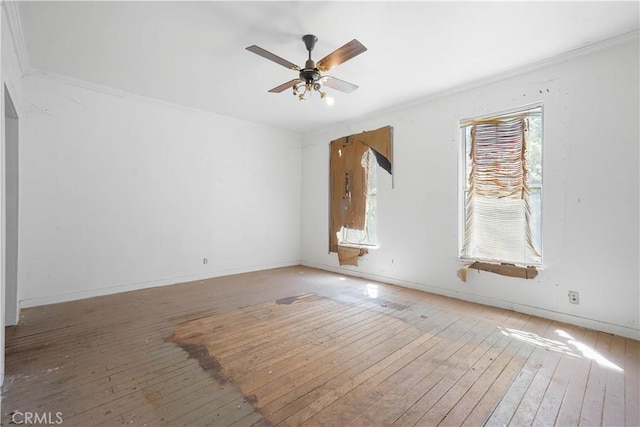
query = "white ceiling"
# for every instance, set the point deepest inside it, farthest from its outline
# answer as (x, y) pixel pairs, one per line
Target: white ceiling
(193, 53)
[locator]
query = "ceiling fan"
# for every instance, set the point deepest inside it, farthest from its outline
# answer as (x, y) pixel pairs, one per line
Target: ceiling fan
(310, 77)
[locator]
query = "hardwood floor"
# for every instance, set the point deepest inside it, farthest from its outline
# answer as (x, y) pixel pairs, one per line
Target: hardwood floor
(299, 346)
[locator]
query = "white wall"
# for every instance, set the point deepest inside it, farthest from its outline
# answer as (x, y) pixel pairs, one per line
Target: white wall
(590, 200)
(10, 75)
(119, 193)
(2, 267)
(10, 210)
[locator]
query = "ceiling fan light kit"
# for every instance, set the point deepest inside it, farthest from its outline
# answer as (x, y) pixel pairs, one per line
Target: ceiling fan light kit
(310, 78)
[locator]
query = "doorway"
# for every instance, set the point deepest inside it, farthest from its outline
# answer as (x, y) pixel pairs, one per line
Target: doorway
(11, 180)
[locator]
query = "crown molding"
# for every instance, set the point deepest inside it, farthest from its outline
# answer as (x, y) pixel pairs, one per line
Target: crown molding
(534, 66)
(108, 90)
(10, 8)
(506, 75)
(13, 18)
(72, 81)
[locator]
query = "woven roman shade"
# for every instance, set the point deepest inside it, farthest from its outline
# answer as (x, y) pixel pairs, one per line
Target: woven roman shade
(497, 212)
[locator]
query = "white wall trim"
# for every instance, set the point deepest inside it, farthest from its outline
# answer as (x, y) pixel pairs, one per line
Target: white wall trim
(72, 81)
(585, 322)
(95, 87)
(515, 72)
(90, 293)
(15, 28)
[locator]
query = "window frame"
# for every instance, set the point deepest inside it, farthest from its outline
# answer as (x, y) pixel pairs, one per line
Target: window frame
(463, 187)
(346, 202)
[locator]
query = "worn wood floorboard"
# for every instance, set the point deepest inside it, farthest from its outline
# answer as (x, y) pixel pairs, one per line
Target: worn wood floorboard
(299, 346)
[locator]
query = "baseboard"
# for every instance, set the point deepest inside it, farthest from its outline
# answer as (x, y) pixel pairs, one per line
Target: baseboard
(90, 293)
(584, 322)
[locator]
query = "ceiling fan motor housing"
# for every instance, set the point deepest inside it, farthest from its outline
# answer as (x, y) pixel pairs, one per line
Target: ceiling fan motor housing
(310, 74)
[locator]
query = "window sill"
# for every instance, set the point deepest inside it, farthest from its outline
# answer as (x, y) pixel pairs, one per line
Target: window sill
(503, 269)
(355, 246)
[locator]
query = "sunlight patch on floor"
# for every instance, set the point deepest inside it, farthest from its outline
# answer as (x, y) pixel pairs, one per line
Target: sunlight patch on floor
(570, 346)
(372, 290)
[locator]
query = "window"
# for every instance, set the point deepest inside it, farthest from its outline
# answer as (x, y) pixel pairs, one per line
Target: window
(501, 188)
(367, 236)
(353, 169)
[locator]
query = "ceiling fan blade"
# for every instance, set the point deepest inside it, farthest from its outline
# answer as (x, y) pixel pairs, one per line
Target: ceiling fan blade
(338, 84)
(272, 57)
(285, 86)
(340, 55)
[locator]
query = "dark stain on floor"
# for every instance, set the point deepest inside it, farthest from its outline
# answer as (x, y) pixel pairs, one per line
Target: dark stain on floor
(208, 363)
(391, 304)
(288, 300)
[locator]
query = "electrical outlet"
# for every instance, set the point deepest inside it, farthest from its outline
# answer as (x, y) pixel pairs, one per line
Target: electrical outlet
(204, 260)
(574, 297)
